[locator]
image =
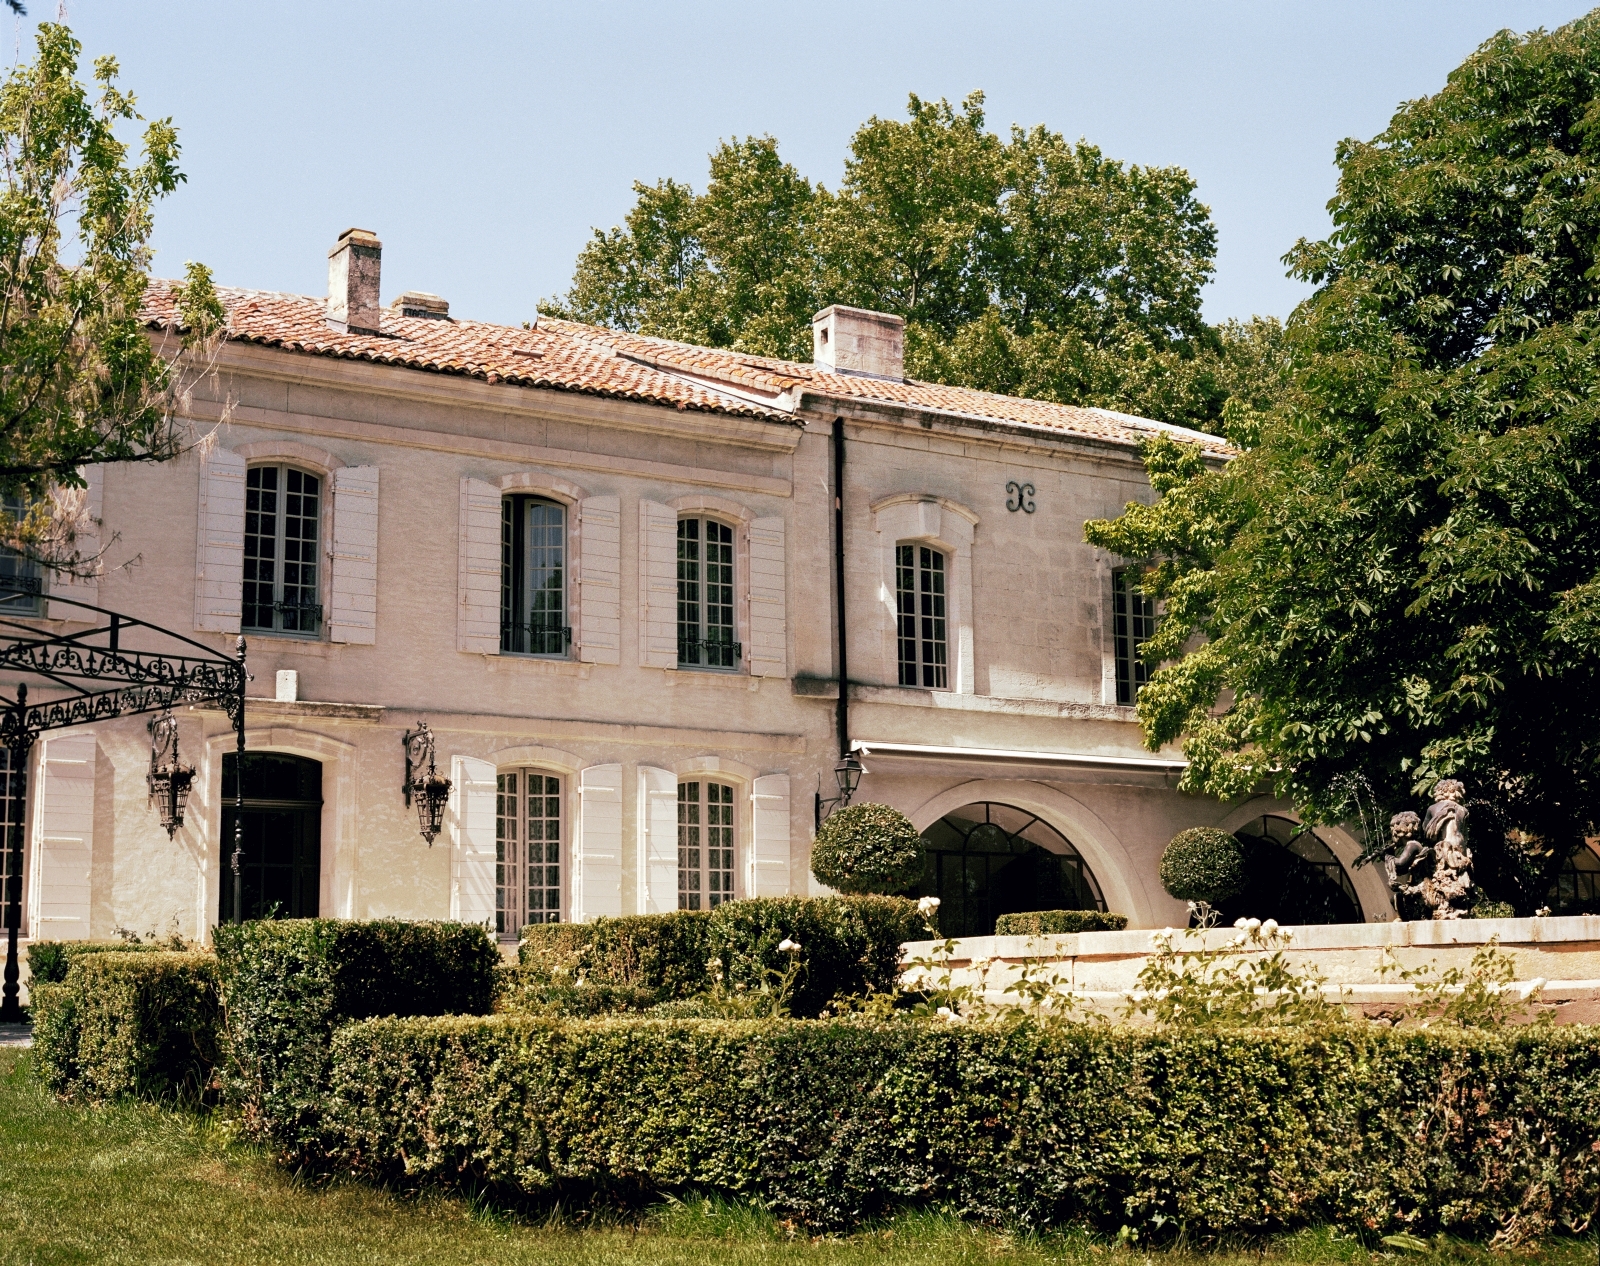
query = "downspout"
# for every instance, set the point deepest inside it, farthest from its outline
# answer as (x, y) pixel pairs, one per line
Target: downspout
(842, 722)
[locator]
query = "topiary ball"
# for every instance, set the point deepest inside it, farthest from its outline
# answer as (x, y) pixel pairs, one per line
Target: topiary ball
(867, 848)
(1203, 864)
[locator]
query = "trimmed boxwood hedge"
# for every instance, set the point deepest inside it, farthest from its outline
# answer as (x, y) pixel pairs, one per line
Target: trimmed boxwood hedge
(144, 1025)
(663, 953)
(288, 984)
(1472, 1132)
(1057, 922)
(49, 961)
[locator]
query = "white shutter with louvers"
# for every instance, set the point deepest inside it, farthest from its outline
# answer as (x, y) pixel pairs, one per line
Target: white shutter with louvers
(658, 585)
(597, 870)
(472, 844)
(658, 840)
(478, 613)
(353, 584)
(219, 551)
(87, 544)
(63, 837)
(600, 580)
(769, 852)
(769, 633)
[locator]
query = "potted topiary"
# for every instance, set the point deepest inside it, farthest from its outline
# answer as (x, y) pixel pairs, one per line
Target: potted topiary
(867, 848)
(1204, 866)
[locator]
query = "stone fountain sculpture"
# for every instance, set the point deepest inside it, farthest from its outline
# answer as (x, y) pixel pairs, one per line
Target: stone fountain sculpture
(1448, 890)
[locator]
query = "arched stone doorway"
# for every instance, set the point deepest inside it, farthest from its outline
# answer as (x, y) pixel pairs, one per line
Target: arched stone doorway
(282, 863)
(987, 859)
(1294, 877)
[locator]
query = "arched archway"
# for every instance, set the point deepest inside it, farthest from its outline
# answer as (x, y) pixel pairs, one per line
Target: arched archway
(1295, 876)
(281, 870)
(988, 858)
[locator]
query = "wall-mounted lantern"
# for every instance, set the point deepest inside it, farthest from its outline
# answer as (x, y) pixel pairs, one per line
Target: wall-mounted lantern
(169, 778)
(847, 773)
(430, 788)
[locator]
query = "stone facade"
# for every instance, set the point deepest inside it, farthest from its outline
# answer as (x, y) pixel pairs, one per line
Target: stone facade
(412, 467)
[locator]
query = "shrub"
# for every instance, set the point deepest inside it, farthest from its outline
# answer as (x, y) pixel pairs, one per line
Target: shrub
(1057, 922)
(867, 848)
(1212, 1134)
(143, 1025)
(664, 953)
(532, 996)
(49, 961)
(1494, 910)
(1203, 864)
(848, 945)
(288, 984)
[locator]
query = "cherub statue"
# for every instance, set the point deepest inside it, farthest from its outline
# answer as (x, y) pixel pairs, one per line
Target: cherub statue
(1405, 849)
(1445, 826)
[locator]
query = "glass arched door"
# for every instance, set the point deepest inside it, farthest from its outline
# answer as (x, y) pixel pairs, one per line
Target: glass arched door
(988, 859)
(282, 864)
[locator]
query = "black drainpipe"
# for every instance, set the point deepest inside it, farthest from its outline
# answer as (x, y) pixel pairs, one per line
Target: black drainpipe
(843, 722)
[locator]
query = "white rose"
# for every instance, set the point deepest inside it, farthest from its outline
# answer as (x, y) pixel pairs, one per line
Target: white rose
(789, 947)
(1270, 926)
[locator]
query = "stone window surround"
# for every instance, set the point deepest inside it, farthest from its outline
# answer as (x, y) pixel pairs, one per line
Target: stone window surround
(538, 483)
(926, 519)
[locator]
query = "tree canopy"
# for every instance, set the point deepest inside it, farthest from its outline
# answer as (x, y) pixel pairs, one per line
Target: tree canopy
(1399, 577)
(1027, 265)
(80, 380)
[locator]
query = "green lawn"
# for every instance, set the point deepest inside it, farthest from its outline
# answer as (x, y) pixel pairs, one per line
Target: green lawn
(138, 1184)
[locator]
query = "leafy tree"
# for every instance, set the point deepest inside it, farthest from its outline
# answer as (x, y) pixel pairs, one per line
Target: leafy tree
(80, 380)
(1029, 266)
(1399, 579)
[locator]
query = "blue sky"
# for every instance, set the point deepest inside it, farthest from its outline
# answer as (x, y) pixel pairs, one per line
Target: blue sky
(482, 141)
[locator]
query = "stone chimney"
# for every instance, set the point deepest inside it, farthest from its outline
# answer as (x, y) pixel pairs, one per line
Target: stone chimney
(419, 303)
(353, 267)
(855, 341)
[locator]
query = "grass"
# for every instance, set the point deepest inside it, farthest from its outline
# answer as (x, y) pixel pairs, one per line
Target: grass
(135, 1183)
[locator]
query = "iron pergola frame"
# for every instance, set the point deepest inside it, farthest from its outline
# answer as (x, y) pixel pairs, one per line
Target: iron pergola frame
(100, 678)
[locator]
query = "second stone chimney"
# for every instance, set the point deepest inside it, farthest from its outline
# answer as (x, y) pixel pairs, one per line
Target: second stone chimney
(353, 267)
(856, 341)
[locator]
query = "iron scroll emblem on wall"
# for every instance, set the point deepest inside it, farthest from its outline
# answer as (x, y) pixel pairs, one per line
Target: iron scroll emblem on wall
(1019, 497)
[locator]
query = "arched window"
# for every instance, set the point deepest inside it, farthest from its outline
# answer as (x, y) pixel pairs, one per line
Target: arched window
(705, 845)
(528, 850)
(707, 627)
(533, 577)
(1294, 877)
(1577, 886)
(282, 516)
(920, 603)
(987, 859)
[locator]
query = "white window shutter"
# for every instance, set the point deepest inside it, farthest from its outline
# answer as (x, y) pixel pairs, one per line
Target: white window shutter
(600, 580)
(88, 547)
(472, 845)
(63, 837)
(353, 587)
(658, 585)
(769, 631)
(478, 612)
(219, 581)
(597, 869)
(658, 840)
(769, 852)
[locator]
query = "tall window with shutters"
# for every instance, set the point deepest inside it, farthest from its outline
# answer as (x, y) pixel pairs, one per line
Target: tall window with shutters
(920, 612)
(1133, 620)
(527, 849)
(282, 519)
(707, 630)
(533, 577)
(21, 579)
(705, 845)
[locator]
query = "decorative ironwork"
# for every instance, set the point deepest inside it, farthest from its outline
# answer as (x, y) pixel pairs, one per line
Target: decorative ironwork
(719, 653)
(119, 666)
(431, 790)
(847, 773)
(1019, 497)
(169, 778)
(534, 637)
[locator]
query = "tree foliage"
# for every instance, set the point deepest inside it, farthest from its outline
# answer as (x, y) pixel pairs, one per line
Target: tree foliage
(1399, 578)
(80, 380)
(1027, 265)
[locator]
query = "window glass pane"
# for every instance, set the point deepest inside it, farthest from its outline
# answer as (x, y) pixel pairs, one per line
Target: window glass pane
(544, 847)
(689, 591)
(719, 844)
(930, 609)
(21, 581)
(300, 610)
(905, 579)
(689, 845)
(508, 920)
(533, 593)
(283, 510)
(920, 618)
(260, 546)
(719, 631)
(1133, 620)
(509, 579)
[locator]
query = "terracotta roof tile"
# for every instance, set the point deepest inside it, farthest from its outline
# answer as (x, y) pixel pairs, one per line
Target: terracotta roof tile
(564, 356)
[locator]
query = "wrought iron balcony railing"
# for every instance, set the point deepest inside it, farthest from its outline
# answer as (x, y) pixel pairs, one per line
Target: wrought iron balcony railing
(709, 652)
(534, 637)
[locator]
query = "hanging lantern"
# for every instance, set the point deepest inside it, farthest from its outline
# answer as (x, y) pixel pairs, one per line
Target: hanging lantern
(428, 787)
(169, 778)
